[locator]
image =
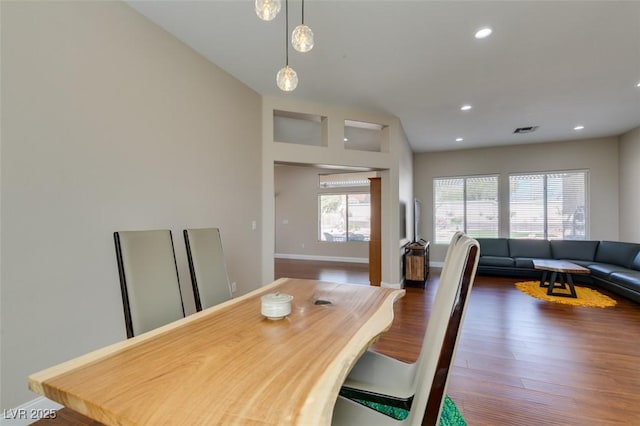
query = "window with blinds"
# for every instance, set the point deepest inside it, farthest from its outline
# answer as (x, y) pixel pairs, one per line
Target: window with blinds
(468, 204)
(548, 205)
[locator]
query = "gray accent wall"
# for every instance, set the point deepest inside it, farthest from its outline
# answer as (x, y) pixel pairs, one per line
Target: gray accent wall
(109, 123)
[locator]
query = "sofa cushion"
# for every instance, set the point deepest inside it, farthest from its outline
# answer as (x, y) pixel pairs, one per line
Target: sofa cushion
(635, 264)
(616, 253)
(524, 262)
(573, 249)
(584, 263)
(630, 280)
(535, 249)
(493, 247)
(496, 261)
(603, 270)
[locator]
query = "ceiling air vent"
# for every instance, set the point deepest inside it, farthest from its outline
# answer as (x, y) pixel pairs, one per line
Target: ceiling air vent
(527, 129)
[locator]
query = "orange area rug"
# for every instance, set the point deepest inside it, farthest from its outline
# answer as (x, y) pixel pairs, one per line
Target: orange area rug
(587, 297)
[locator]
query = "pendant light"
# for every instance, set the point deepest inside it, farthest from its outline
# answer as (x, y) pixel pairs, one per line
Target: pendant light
(287, 78)
(267, 9)
(302, 37)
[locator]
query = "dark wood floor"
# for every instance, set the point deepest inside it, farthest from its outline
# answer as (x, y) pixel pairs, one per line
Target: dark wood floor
(520, 361)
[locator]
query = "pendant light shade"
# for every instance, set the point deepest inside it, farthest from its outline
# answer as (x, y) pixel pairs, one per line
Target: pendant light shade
(287, 79)
(267, 9)
(302, 38)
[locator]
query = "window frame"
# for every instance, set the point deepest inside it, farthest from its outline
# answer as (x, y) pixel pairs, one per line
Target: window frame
(346, 194)
(465, 202)
(545, 175)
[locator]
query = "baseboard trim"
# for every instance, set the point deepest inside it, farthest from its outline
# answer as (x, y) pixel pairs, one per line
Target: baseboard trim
(321, 258)
(29, 412)
(391, 285)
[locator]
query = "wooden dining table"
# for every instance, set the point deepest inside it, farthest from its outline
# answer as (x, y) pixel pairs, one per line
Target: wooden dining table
(228, 364)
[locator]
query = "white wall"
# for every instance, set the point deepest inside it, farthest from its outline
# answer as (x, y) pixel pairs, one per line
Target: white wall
(599, 156)
(296, 210)
(630, 186)
(333, 153)
(109, 123)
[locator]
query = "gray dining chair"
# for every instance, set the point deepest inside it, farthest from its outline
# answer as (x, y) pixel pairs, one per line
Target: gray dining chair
(207, 266)
(371, 377)
(452, 243)
(149, 280)
(420, 386)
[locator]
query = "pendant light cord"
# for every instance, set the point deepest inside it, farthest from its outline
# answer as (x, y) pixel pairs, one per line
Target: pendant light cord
(286, 31)
(302, 12)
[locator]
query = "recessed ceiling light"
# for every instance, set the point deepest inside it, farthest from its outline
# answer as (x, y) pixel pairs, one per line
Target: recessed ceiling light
(638, 85)
(346, 139)
(483, 32)
(578, 127)
(465, 107)
(459, 139)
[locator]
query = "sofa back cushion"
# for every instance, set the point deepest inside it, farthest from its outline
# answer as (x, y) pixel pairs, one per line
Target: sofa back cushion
(539, 249)
(636, 262)
(494, 247)
(617, 253)
(575, 250)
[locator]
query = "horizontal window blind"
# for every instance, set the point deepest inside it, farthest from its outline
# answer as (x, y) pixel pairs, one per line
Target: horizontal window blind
(548, 205)
(468, 204)
(341, 180)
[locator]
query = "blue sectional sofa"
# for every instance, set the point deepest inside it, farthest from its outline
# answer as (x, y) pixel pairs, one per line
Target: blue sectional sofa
(614, 265)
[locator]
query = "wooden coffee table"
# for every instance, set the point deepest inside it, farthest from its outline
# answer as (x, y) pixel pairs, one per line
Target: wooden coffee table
(562, 270)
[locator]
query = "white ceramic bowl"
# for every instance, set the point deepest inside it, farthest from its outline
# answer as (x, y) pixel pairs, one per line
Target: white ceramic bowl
(276, 306)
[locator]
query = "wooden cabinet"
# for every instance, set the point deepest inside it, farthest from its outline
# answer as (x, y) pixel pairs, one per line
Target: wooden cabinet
(416, 264)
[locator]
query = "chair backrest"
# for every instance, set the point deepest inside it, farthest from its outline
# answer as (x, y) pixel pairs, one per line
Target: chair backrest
(450, 267)
(207, 266)
(148, 279)
(443, 329)
(452, 243)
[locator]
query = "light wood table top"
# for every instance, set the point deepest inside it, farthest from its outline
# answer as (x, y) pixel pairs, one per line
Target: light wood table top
(559, 266)
(228, 364)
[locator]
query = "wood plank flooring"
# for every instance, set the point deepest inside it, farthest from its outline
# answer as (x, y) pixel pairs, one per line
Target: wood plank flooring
(520, 361)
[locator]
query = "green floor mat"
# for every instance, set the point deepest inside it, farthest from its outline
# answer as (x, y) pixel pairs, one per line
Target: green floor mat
(450, 415)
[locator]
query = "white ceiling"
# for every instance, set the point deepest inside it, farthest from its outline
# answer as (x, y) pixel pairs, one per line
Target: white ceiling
(552, 64)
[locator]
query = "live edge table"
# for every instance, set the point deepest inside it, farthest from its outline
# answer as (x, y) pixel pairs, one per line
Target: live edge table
(562, 270)
(228, 365)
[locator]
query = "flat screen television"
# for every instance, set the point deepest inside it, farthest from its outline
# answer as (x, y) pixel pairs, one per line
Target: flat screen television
(403, 220)
(417, 216)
